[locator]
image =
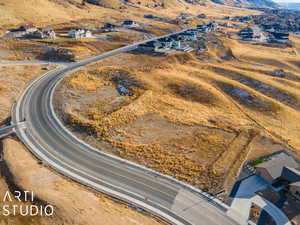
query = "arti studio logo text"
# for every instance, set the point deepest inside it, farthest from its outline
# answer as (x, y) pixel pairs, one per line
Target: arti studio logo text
(10, 208)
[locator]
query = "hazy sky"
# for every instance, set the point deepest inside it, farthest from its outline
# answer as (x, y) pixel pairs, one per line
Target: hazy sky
(286, 1)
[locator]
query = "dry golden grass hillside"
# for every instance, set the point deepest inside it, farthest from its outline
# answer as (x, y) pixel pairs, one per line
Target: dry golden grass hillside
(49, 12)
(196, 117)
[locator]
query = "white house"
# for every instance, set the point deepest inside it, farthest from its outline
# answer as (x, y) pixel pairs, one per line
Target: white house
(79, 33)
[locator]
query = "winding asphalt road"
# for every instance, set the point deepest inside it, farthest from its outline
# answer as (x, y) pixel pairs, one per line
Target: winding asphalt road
(50, 141)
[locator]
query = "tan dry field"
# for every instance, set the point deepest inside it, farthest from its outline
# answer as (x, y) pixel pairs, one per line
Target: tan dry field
(196, 117)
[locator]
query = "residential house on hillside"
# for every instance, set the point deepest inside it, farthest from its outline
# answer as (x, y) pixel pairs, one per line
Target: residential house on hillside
(149, 16)
(212, 26)
(202, 16)
(188, 36)
(246, 34)
(42, 34)
(151, 46)
(278, 20)
(166, 42)
(183, 41)
(79, 33)
(193, 31)
(28, 28)
(241, 19)
(176, 41)
(202, 47)
(108, 27)
(21, 31)
(272, 169)
(201, 28)
(129, 24)
(281, 169)
(185, 16)
(278, 37)
(94, 2)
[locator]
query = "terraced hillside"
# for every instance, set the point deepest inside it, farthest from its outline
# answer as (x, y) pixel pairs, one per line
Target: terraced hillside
(195, 116)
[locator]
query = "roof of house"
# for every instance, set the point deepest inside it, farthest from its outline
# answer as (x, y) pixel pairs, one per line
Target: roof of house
(27, 26)
(275, 165)
(280, 35)
(291, 174)
(150, 44)
(128, 22)
(165, 39)
(295, 184)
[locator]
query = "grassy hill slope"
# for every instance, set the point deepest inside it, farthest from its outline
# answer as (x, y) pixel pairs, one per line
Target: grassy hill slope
(49, 12)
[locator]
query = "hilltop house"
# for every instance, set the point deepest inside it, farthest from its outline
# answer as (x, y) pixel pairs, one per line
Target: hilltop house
(176, 41)
(149, 16)
(163, 45)
(108, 27)
(166, 42)
(202, 28)
(272, 169)
(212, 26)
(151, 46)
(188, 36)
(42, 34)
(27, 28)
(281, 168)
(185, 16)
(129, 24)
(79, 33)
(21, 31)
(202, 16)
(193, 31)
(246, 34)
(278, 37)
(202, 47)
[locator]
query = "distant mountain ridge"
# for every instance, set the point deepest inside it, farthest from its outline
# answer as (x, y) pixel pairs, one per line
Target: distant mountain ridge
(249, 3)
(163, 3)
(290, 5)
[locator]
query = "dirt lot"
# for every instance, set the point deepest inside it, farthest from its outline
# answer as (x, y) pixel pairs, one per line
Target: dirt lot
(196, 120)
(25, 173)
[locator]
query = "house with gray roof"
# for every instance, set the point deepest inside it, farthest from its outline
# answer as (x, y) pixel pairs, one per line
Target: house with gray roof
(281, 168)
(79, 33)
(290, 174)
(272, 169)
